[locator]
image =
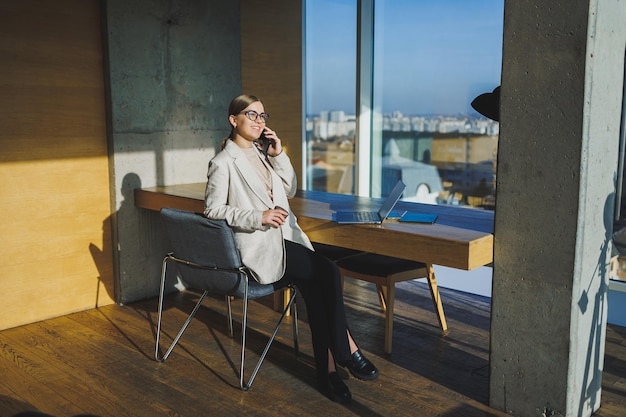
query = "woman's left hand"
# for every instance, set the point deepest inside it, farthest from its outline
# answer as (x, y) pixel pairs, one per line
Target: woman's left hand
(275, 145)
(275, 217)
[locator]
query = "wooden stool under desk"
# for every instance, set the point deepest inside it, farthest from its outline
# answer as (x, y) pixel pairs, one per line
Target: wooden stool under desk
(385, 271)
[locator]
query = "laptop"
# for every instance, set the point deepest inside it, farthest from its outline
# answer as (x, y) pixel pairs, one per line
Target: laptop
(373, 217)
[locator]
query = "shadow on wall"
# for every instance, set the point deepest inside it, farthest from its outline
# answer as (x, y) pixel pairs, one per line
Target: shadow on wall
(133, 246)
(595, 356)
(106, 257)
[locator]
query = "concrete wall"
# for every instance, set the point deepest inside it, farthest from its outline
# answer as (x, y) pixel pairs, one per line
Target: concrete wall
(174, 66)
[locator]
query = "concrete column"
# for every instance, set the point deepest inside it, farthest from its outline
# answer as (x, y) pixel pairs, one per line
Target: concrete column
(174, 66)
(563, 69)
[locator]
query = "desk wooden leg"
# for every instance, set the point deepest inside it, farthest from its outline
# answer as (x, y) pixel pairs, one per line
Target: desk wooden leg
(281, 299)
(381, 290)
(390, 300)
(434, 293)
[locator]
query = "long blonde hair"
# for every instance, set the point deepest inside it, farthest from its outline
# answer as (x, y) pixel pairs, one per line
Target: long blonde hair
(237, 105)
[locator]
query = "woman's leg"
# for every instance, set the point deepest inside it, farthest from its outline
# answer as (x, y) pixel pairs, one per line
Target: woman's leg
(343, 346)
(358, 365)
(304, 268)
(318, 280)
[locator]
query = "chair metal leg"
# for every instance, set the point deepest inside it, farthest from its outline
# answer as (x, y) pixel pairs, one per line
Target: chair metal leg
(246, 385)
(296, 333)
(160, 316)
(229, 313)
(244, 323)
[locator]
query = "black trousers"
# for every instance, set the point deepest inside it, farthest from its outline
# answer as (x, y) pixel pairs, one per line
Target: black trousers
(319, 281)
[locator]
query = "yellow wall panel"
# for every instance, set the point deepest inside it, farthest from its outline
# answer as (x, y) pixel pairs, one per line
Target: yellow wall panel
(55, 216)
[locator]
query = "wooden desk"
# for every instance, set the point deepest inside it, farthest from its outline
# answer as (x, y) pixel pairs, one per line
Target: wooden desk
(461, 238)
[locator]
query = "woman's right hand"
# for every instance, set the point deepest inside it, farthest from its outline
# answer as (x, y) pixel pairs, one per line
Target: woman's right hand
(275, 217)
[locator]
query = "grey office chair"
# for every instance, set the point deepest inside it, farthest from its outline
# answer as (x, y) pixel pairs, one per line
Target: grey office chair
(208, 260)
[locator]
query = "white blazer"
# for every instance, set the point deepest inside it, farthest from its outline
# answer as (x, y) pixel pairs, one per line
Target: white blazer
(236, 193)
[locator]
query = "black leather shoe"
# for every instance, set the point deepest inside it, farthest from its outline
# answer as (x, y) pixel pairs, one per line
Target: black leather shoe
(360, 367)
(335, 389)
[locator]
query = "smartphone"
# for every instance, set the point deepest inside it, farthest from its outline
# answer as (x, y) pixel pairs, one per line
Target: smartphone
(265, 142)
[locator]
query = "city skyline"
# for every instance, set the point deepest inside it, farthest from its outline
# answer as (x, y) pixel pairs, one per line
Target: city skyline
(431, 56)
(339, 124)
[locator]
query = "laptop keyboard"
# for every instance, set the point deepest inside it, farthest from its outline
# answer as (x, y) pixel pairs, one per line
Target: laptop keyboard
(366, 216)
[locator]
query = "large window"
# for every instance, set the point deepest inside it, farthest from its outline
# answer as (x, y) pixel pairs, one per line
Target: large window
(388, 90)
(330, 73)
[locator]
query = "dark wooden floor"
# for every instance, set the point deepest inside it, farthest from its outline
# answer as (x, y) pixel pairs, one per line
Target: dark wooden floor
(100, 363)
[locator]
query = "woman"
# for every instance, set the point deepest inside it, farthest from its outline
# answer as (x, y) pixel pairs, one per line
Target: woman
(250, 190)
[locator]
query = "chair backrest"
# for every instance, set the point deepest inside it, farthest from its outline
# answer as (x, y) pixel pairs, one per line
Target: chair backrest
(210, 243)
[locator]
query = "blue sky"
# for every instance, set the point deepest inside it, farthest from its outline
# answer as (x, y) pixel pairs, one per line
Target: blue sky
(431, 56)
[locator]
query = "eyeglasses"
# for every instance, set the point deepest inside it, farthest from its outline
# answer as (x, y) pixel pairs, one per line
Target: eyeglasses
(254, 116)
